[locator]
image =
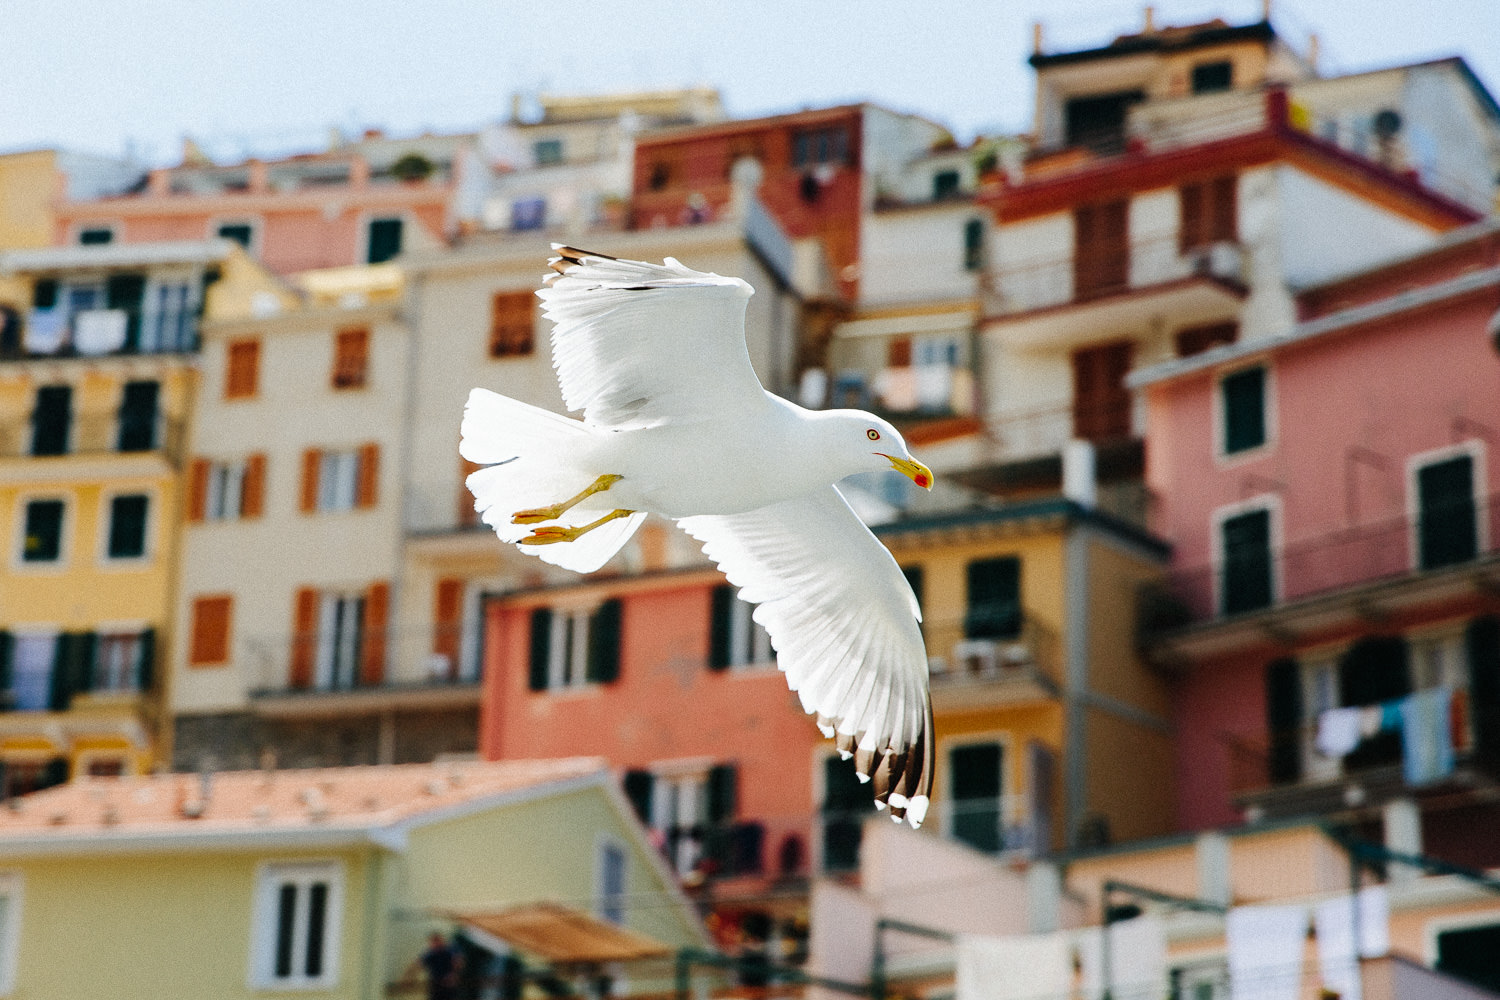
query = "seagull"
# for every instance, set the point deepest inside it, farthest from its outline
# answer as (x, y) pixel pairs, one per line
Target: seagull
(675, 423)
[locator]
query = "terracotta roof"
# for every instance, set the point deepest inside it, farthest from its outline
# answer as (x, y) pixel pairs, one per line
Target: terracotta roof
(560, 934)
(350, 799)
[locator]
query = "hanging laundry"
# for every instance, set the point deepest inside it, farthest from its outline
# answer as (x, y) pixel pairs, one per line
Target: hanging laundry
(46, 331)
(99, 331)
(1336, 922)
(1019, 967)
(1338, 731)
(1265, 946)
(1426, 735)
(1371, 717)
(1137, 959)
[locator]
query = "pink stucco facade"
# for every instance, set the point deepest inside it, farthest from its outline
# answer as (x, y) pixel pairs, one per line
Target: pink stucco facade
(1355, 404)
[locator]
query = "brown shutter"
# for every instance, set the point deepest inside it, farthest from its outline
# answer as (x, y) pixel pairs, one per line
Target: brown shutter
(369, 475)
(1223, 209)
(198, 489)
(212, 617)
(242, 369)
(1101, 400)
(447, 614)
(1190, 226)
(351, 350)
(312, 459)
(372, 655)
(304, 638)
(253, 492)
(898, 353)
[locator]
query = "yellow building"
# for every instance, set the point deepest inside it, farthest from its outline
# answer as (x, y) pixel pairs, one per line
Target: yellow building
(95, 385)
(242, 884)
(1051, 731)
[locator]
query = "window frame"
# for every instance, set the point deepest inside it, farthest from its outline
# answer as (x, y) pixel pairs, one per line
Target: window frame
(1222, 456)
(1271, 504)
(1473, 449)
(1008, 796)
(252, 246)
(107, 521)
(64, 534)
(270, 876)
(332, 464)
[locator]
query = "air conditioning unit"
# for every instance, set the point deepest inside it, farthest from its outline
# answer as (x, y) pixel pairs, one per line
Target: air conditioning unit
(978, 657)
(1219, 260)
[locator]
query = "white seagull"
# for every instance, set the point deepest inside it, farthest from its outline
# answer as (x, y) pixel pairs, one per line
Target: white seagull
(677, 424)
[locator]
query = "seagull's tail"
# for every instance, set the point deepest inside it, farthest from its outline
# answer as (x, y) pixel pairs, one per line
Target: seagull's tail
(533, 458)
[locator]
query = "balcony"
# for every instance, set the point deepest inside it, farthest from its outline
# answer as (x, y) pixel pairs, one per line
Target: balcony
(1334, 579)
(57, 332)
(92, 435)
(1064, 301)
(1016, 665)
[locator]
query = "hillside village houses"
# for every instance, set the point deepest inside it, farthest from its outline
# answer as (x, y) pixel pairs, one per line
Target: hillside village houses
(1206, 363)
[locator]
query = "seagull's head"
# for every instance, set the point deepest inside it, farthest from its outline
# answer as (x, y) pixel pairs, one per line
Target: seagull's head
(873, 444)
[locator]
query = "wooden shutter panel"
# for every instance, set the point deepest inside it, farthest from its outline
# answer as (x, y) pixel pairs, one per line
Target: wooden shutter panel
(1190, 198)
(722, 793)
(253, 490)
(1223, 209)
(198, 489)
(604, 642)
(145, 673)
(447, 614)
(1283, 717)
(541, 647)
(304, 637)
(312, 460)
(377, 616)
(72, 668)
(638, 789)
(721, 612)
(369, 475)
(1482, 643)
(212, 617)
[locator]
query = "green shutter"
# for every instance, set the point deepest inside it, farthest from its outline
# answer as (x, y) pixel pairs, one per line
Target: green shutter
(1283, 718)
(7, 652)
(541, 647)
(44, 293)
(72, 668)
(385, 240)
(723, 781)
(1482, 642)
(145, 672)
(721, 613)
(974, 245)
(604, 642)
(638, 789)
(1246, 584)
(125, 291)
(994, 595)
(127, 526)
(137, 418)
(1244, 395)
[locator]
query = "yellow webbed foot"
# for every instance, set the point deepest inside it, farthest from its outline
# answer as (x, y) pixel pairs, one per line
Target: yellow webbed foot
(537, 514)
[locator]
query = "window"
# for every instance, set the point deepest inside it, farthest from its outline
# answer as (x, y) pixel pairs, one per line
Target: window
(1242, 398)
(611, 882)
(1099, 122)
(51, 420)
(820, 146)
(1193, 340)
(944, 184)
(573, 648)
(1209, 77)
(547, 151)
(974, 245)
(242, 369)
(42, 541)
(994, 599)
(339, 638)
(341, 619)
(123, 661)
(92, 236)
(1246, 574)
(846, 804)
(735, 639)
(528, 213)
(212, 619)
(512, 324)
(975, 780)
(241, 232)
(1208, 212)
(1101, 248)
(340, 480)
(167, 323)
(137, 428)
(32, 659)
(127, 525)
(1101, 400)
(693, 812)
(295, 936)
(1447, 519)
(351, 355)
(384, 240)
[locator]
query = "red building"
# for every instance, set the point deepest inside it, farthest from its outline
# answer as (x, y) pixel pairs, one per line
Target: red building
(1331, 499)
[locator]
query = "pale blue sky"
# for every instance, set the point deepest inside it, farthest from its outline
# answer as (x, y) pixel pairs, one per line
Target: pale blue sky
(269, 76)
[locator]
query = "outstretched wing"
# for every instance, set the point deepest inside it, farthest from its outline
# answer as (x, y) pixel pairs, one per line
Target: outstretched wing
(843, 620)
(638, 344)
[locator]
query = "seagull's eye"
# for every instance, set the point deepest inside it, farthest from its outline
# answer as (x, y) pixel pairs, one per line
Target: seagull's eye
(872, 434)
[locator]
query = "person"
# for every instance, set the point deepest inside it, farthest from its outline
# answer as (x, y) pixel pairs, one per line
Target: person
(443, 964)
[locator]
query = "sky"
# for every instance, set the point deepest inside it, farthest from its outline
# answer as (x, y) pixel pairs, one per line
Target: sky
(266, 77)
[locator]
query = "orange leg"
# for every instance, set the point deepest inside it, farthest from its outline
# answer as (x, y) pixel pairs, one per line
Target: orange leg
(550, 533)
(552, 513)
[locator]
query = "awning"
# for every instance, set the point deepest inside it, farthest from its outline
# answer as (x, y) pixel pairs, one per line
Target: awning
(559, 934)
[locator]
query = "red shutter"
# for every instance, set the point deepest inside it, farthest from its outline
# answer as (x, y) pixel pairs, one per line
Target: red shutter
(198, 489)
(312, 459)
(447, 615)
(212, 617)
(369, 475)
(377, 613)
(253, 492)
(304, 638)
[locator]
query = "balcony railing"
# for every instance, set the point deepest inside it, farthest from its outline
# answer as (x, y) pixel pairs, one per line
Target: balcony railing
(59, 333)
(1382, 551)
(95, 434)
(1035, 283)
(1019, 654)
(353, 662)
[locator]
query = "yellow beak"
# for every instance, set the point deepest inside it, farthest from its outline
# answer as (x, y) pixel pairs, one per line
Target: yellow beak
(913, 470)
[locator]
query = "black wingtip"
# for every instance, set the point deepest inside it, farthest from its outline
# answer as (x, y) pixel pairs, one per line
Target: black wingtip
(570, 256)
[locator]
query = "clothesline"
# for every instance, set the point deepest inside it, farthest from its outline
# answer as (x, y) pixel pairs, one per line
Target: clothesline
(1424, 719)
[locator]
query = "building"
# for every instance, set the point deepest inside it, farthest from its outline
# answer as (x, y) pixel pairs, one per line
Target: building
(34, 180)
(360, 202)
(331, 881)
(1177, 197)
(97, 384)
(1336, 550)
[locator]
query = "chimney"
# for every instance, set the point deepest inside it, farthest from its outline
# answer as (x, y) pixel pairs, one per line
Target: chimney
(1312, 52)
(1265, 10)
(1150, 19)
(1036, 37)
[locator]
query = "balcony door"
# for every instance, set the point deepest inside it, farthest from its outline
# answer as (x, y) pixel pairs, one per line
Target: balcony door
(1101, 400)
(1446, 517)
(975, 781)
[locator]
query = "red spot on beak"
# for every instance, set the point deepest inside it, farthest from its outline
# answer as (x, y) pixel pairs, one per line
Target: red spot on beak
(923, 481)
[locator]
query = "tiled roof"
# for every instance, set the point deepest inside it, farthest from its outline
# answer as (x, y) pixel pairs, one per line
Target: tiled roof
(349, 799)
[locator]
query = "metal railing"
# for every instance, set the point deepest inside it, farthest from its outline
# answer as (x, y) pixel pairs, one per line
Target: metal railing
(94, 434)
(331, 667)
(59, 333)
(1324, 564)
(1018, 649)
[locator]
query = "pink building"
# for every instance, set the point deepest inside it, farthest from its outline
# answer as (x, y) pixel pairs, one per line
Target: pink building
(1332, 506)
